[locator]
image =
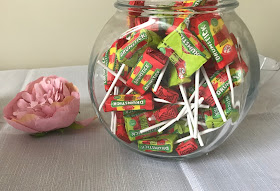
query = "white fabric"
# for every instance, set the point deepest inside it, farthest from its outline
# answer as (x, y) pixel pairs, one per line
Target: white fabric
(90, 159)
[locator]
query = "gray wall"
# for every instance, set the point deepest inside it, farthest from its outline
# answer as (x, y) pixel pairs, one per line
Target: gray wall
(41, 33)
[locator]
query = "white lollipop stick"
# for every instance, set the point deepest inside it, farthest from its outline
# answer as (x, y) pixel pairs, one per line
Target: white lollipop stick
(231, 86)
(185, 112)
(112, 86)
(200, 133)
(129, 91)
(150, 22)
(200, 141)
(116, 92)
(191, 130)
(195, 126)
(180, 103)
(171, 122)
(154, 127)
(167, 123)
(188, 108)
(182, 113)
(190, 126)
(192, 96)
(214, 94)
(160, 77)
(164, 101)
(199, 122)
(111, 71)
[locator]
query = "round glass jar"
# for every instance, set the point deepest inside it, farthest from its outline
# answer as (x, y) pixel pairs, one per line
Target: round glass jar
(197, 51)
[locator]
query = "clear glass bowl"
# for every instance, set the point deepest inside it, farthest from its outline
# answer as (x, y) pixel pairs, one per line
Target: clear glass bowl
(163, 17)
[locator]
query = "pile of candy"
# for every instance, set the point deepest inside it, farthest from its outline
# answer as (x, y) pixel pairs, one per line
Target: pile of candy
(170, 82)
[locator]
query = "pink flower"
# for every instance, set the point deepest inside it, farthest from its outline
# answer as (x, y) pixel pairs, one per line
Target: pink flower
(46, 104)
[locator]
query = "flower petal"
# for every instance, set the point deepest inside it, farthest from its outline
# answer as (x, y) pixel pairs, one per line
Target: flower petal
(21, 103)
(27, 97)
(66, 91)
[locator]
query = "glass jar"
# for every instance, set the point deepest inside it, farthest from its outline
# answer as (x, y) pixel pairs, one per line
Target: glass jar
(189, 75)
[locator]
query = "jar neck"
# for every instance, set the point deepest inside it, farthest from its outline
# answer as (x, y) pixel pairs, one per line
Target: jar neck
(169, 7)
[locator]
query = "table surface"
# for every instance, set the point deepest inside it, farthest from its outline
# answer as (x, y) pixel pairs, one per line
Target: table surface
(90, 159)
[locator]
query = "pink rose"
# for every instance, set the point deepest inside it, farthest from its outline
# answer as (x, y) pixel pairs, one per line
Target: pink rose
(46, 104)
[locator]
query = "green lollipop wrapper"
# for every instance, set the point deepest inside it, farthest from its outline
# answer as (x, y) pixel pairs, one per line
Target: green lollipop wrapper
(185, 51)
(131, 51)
(163, 143)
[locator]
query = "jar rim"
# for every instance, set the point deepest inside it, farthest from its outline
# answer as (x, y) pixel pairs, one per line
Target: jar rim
(167, 6)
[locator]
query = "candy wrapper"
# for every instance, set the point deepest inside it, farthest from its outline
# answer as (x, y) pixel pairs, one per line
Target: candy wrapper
(129, 102)
(220, 81)
(130, 52)
(189, 3)
(162, 143)
(166, 112)
(167, 94)
(179, 128)
(145, 73)
(213, 33)
(187, 147)
(134, 14)
(182, 6)
(185, 51)
(174, 24)
(136, 11)
(135, 122)
(213, 117)
(110, 60)
(121, 131)
(173, 78)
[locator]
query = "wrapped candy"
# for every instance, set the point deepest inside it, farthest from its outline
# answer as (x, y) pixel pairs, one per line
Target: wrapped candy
(173, 77)
(129, 102)
(145, 73)
(190, 3)
(130, 52)
(167, 55)
(162, 143)
(167, 94)
(185, 51)
(213, 117)
(134, 14)
(121, 131)
(220, 81)
(179, 128)
(187, 147)
(175, 23)
(166, 112)
(110, 60)
(136, 11)
(138, 121)
(213, 33)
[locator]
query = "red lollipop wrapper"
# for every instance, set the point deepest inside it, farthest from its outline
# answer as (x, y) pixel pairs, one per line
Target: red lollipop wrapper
(220, 81)
(166, 112)
(129, 102)
(167, 94)
(136, 11)
(213, 33)
(186, 148)
(145, 73)
(122, 134)
(110, 60)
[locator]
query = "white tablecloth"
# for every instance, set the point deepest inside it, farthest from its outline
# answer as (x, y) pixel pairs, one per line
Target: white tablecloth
(90, 159)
